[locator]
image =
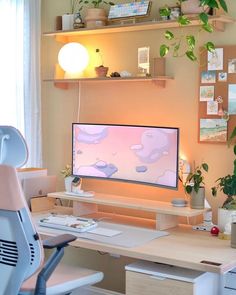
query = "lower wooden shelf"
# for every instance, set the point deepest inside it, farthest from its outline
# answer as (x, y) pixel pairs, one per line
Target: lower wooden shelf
(159, 80)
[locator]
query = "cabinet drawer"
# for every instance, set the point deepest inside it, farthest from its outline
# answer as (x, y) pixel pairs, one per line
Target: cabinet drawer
(143, 284)
(230, 280)
(229, 291)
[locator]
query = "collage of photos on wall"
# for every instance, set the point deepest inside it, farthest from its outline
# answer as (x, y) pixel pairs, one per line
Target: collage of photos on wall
(217, 94)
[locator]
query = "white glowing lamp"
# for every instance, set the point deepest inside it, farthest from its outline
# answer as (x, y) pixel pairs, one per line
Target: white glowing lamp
(73, 59)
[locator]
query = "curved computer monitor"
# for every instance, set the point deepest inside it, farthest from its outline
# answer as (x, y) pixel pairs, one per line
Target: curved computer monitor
(13, 148)
(140, 154)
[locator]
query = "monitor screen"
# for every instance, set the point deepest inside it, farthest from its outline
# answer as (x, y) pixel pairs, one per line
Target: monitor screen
(141, 154)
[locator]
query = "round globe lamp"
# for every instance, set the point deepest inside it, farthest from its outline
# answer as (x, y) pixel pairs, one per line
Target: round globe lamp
(73, 59)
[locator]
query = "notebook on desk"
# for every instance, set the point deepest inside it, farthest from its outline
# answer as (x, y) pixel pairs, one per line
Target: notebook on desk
(68, 222)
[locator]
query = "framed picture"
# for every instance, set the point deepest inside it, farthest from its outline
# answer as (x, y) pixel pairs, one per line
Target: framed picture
(127, 10)
(213, 130)
(143, 60)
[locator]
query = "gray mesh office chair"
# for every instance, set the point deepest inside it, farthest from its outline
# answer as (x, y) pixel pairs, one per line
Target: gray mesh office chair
(21, 250)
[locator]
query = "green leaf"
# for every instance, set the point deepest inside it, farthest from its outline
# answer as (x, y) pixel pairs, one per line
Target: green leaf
(164, 49)
(164, 11)
(191, 55)
(190, 41)
(209, 3)
(205, 167)
(223, 5)
(210, 47)
(232, 136)
(203, 17)
(207, 27)
(214, 191)
(169, 35)
(189, 189)
(183, 20)
(176, 50)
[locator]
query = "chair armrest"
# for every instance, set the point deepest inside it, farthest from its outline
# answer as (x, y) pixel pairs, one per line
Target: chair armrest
(58, 241)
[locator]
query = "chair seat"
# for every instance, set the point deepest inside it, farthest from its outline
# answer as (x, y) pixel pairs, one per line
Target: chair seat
(64, 280)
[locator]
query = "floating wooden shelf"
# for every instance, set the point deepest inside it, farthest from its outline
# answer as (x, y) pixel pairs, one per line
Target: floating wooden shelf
(218, 22)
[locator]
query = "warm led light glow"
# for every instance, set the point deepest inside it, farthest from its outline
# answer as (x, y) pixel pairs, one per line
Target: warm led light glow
(73, 58)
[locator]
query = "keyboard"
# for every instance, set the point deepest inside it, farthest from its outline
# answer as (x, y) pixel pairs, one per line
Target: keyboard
(68, 223)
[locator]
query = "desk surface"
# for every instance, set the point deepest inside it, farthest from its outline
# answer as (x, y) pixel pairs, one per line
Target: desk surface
(183, 247)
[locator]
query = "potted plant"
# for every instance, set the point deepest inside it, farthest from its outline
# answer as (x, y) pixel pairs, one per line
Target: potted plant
(100, 70)
(95, 16)
(185, 45)
(67, 174)
(227, 184)
(194, 186)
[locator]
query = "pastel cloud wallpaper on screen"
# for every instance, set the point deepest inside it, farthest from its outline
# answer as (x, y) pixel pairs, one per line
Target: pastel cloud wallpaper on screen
(129, 153)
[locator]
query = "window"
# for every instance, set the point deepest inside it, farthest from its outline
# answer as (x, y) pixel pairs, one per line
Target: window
(19, 71)
(11, 61)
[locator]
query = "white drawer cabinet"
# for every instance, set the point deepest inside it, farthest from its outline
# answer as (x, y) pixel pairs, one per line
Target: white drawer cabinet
(228, 291)
(229, 283)
(147, 278)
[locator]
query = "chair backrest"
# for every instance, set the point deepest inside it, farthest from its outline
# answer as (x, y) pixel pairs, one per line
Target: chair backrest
(21, 251)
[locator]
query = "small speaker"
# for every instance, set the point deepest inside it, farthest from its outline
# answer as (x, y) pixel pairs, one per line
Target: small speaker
(179, 203)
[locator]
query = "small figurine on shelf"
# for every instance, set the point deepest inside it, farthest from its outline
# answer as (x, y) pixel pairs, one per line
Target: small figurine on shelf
(78, 22)
(115, 74)
(101, 71)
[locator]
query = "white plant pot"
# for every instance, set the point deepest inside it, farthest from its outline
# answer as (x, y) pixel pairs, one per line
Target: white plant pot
(224, 216)
(68, 181)
(67, 22)
(197, 200)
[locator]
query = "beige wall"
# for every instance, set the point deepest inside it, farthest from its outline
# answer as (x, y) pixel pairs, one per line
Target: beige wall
(129, 103)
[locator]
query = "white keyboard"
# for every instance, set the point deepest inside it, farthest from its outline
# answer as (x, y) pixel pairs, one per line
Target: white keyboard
(68, 222)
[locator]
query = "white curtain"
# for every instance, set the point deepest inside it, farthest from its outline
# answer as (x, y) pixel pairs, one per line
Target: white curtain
(19, 71)
(32, 83)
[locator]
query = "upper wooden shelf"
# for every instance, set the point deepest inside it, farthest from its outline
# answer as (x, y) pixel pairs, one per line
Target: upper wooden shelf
(218, 22)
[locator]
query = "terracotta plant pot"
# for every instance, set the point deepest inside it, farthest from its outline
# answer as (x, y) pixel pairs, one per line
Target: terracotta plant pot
(101, 71)
(191, 7)
(95, 17)
(197, 200)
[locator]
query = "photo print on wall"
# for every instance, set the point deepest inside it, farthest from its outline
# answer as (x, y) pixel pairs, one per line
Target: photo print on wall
(215, 60)
(232, 99)
(208, 77)
(206, 93)
(213, 130)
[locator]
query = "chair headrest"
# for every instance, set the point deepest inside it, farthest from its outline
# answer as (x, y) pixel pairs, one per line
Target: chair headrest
(11, 195)
(13, 148)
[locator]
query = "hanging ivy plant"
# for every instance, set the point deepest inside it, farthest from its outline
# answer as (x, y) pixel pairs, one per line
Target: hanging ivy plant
(185, 45)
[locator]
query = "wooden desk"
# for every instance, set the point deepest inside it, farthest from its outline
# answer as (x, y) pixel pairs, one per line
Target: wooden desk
(184, 247)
